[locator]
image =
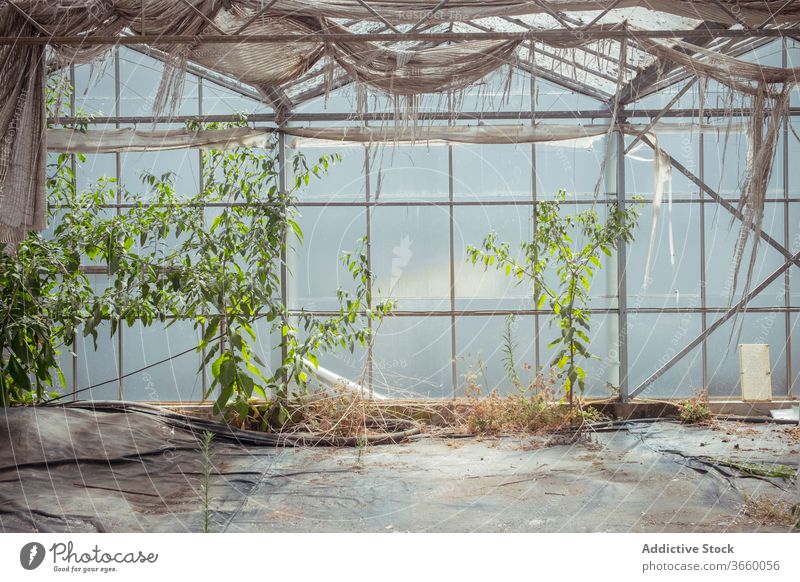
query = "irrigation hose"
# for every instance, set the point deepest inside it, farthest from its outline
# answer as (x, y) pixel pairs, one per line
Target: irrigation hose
(392, 430)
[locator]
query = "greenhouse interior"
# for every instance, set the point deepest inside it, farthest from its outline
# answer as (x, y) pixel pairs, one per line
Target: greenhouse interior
(371, 265)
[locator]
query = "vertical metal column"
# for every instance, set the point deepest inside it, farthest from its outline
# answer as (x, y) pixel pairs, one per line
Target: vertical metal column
(787, 282)
(622, 282)
(72, 156)
(282, 188)
(201, 184)
(118, 172)
(368, 233)
(536, 331)
(451, 221)
(703, 316)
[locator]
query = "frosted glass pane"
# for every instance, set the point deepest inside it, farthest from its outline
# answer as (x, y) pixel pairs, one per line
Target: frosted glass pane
(725, 161)
(574, 169)
(551, 97)
(174, 380)
(412, 357)
(480, 356)
(417, 172)
(794, 155)
(344, 181)
(96, 367)
(769, 55)
(185, 164)
(315, 264)
(653, 339)
(139, 80)
(640, 167)
(659, 100)
(479, 288)
(411, 256)
(94, 88)
(489, 172)
(218, 100)
(793, 61)
(96, 166)
(721, 241)
(723, 357)
(670, 285)
(341, 361)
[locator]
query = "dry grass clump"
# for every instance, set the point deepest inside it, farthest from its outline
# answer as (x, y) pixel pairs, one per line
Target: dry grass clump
(337, 415)
(768, 511)
(533, 410)
(794, 434)
(695, 410)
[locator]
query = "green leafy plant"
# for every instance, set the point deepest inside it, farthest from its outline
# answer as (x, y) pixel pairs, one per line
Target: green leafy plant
(695, 410)
(170, 260)
(509, 345)
(574, 244)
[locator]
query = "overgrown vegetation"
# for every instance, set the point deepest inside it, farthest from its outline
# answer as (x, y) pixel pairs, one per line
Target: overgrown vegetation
(531, 409)
(213, 258)
(760, 469)
(570, 245)
(695, 410)
(768, 511)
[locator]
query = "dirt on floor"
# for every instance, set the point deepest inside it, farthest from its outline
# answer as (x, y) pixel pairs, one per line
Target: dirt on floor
(71, 470)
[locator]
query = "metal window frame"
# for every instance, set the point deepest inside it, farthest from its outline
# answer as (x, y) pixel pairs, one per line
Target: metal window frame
(527, 116)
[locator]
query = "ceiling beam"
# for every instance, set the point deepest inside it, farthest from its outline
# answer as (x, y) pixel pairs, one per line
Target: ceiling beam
(547, 36)
(679, 74)
(634, 89)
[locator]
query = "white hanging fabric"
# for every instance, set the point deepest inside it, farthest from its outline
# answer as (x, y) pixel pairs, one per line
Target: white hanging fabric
(662, 180)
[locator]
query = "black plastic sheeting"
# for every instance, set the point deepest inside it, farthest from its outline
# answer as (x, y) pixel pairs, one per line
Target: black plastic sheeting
(136, 468)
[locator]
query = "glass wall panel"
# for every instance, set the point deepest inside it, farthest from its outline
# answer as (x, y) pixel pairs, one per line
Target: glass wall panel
(492, 172)
(682, 145)
(184, 164)
(596, 368)
(412, 357)
(411, 256)
(100, 366)
(723, 353)
(653, 339)
(344, 181)
(175, 380)
(94, 167)
(571, 166)
(551, 97)
(669, 285)
(418, 172)
(95, 88)
(477, 287)
(315, 264)
(725, 158)
(139, 81)
(481, 358)
(721, 240)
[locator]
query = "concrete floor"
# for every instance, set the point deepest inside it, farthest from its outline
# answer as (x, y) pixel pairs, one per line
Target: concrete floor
(76, 470)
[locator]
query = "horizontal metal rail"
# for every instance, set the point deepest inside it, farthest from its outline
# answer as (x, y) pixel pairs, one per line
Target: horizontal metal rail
(552, 35)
